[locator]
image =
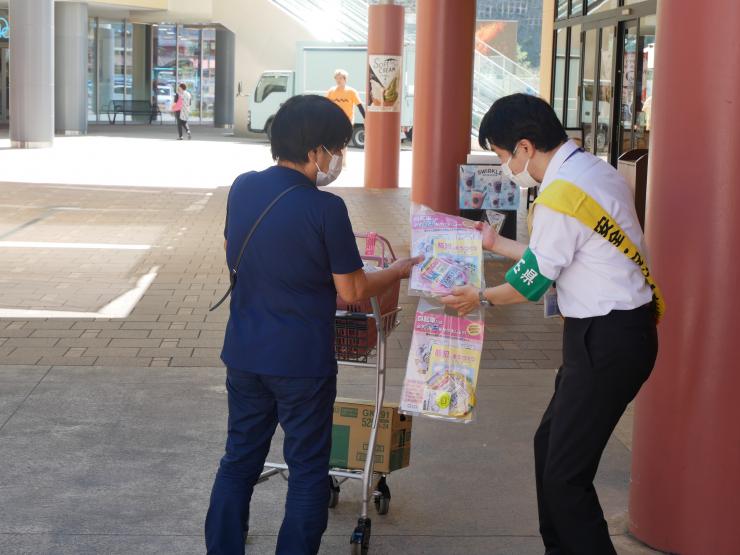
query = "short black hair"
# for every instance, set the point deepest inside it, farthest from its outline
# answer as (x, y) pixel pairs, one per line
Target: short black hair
(306, 122)
(521, 116)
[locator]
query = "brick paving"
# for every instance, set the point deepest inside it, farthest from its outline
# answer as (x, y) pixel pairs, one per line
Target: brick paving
(121, 364)
(171, 324)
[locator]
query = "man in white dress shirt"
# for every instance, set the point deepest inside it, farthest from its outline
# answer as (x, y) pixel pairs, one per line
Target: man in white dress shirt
(604, 292)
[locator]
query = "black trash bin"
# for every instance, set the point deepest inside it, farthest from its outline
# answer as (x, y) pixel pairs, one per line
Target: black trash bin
(633, 165)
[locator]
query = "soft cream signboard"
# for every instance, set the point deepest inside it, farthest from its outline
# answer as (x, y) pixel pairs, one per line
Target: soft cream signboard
(384, 83)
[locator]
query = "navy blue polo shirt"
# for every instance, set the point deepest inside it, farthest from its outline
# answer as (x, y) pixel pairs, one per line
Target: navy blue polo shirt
(282, 308)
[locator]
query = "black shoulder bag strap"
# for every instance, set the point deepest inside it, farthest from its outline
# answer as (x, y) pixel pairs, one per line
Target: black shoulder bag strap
(233, 271)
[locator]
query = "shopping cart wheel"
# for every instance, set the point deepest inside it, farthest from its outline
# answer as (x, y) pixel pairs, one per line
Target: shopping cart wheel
(333, 492)
(382, 497)
(360, 540)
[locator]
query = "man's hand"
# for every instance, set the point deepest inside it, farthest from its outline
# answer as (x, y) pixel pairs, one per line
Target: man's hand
(463, 299)
(403, 266)
(490, 237)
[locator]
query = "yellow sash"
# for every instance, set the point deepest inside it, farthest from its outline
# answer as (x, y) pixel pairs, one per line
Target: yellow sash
(567, 198)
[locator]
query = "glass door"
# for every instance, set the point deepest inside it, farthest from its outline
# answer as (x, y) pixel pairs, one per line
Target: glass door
(645, 75)
(587, 87)
(605, 100)
(627, 78)
(597, 90)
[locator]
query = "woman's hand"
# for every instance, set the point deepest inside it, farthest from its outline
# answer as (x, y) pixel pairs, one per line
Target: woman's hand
(490, 237)
(403, 266)
(463, 299)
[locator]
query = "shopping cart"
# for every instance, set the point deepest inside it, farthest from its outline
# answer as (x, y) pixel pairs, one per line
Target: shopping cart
(362, 331)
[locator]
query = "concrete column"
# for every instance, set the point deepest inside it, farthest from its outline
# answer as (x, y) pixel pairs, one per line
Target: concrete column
(443, 98)
(223, 109)
(70, 68)
(383, 128)
(32, 73)
(686, 443)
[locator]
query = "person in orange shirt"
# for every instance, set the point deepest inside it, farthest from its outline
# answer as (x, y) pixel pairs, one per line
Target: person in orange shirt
(346, 98)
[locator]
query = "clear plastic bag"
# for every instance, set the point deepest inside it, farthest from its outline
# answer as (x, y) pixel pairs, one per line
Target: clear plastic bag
(443, 364)
(452, 250)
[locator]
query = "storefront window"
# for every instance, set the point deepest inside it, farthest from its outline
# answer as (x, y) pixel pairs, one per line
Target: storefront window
(562, 9)
(558, 100)
(128, 64)
(111, 63)
(164, 72)
(601, 5)
(188, 65)
(92, 64)
(574, 76)
(120, 58)
(208, 79)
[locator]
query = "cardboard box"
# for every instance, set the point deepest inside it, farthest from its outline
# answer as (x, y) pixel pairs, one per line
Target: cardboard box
(351, 432)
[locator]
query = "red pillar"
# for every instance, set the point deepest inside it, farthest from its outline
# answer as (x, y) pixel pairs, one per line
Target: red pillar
(383, 118)
(685, 495)
(443, 93)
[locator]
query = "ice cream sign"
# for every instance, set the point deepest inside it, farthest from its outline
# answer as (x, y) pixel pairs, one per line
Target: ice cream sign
(384, 83)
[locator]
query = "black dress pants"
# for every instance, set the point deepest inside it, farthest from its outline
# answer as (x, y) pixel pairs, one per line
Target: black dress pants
(606, 360)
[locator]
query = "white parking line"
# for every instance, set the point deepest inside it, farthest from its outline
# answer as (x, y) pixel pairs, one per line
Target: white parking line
(120, 307)
(52, 245)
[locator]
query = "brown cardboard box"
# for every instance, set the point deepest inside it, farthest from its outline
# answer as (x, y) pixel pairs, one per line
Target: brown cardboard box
(351, 432)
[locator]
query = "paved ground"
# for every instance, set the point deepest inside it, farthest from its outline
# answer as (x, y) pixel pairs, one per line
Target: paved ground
(111, 428)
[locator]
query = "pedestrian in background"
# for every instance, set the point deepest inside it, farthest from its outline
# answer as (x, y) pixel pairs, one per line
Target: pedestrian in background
(346, 98)
(181, 108)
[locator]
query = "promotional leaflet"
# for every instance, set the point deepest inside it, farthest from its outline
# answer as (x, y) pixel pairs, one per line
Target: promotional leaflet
(452, 250)
(443, 364)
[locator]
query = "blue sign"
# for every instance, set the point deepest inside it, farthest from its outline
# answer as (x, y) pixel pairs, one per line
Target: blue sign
(4, 28)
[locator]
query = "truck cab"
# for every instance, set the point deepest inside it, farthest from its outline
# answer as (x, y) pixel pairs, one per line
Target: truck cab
(272, 90)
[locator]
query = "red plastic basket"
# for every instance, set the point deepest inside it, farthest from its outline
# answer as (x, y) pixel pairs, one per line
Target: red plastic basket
(355, 332)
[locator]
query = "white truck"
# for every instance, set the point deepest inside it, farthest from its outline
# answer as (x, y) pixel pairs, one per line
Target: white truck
(314, 74)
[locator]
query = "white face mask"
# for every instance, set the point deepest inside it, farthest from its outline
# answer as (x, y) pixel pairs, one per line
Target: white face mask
(524, 179)
(335, 168)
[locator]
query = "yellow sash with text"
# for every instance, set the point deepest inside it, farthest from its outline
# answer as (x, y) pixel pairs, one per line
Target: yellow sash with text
(567, 198)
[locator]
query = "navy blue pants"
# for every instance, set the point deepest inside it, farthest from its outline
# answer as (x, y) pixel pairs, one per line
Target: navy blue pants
(257, 403)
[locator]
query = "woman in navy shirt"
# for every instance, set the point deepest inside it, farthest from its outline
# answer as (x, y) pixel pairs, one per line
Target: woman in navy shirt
(279, 342)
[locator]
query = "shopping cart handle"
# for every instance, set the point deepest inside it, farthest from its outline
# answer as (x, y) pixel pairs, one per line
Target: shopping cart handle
(352, 315)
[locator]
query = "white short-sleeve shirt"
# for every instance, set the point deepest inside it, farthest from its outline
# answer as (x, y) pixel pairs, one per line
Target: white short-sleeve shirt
(592, 277)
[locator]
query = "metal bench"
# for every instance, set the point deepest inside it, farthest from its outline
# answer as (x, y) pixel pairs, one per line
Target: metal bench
(133, 108)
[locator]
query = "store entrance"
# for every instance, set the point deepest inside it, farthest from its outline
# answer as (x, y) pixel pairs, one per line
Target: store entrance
(4, 84)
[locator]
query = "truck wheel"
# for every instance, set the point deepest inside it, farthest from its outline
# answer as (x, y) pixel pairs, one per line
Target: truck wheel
(268, 129)
(358, 136)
